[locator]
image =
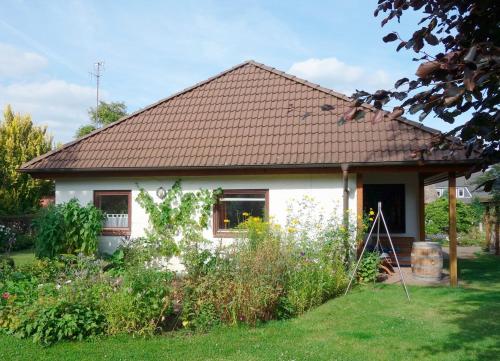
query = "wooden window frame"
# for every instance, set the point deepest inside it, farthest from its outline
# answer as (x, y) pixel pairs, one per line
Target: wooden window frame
(217, 210)
(116, 231)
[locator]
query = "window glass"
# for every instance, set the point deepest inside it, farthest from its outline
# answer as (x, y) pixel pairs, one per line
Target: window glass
(234, 207)
(460, 192)
(115, 206)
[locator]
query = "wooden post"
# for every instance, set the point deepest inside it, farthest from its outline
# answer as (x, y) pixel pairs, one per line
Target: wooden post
(359, 200)
(345, 208)
(487, 228)
(421, 208)
(497, 236)
(452, 232)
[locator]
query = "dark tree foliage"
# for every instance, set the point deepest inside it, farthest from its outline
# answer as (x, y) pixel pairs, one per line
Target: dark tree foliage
(457, 46)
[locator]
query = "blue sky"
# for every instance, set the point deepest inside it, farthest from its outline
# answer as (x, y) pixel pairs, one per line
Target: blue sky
(155, 48)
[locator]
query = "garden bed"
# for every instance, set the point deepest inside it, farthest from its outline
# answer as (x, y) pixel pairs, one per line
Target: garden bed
(369, 323)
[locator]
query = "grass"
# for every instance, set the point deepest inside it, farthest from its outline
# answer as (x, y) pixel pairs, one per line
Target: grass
(23, 257)
(372, 322)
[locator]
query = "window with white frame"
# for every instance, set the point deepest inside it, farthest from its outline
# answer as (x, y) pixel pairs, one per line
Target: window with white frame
(460, 192)
(439, 192)
(116, 207)
(235, 206)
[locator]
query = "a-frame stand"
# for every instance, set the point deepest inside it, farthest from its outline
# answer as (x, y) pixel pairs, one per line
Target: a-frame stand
(376, 221)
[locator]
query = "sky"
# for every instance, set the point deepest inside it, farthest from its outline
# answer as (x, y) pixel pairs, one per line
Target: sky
(153, 49)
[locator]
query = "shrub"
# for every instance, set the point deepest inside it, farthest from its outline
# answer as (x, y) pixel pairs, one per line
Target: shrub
(7, 239)
(67, 228)
(6, 265)
(368, 267)
(436, 216)
(138, 302)
(72, 314)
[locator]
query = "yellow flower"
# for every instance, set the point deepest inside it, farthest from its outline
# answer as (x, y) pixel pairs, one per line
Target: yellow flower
(245, 214)
(185, 323)
(370, 219)
(226, 221)
(371, 212)
(291, 230)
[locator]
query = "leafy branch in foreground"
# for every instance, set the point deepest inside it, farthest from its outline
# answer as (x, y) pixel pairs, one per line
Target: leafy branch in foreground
(457, 46)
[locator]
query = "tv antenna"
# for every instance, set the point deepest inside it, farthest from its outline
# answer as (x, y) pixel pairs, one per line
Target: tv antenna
(97, 73)
(376, 221)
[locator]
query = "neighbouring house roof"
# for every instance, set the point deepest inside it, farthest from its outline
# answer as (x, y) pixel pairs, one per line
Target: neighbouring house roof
(472, 186)
(249, 116)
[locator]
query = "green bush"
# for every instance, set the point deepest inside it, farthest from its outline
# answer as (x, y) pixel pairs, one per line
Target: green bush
(72, 314)
(138, 302)
(7, 239)
(368, 268)
(436, 216)
(67, 228)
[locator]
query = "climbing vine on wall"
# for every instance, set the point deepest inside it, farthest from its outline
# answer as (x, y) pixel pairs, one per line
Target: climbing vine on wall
(177, 221)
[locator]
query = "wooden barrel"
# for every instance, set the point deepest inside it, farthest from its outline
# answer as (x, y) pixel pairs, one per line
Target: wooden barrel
(427, 260)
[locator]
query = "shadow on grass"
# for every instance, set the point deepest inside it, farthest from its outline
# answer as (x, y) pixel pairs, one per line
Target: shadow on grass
(475, 313)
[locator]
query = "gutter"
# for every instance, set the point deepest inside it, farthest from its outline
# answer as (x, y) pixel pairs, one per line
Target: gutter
(351, 166)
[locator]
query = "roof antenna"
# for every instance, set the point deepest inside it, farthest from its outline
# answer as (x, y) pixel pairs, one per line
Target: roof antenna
(98, 68)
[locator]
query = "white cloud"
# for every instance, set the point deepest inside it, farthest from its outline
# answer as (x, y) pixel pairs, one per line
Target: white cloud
(56, 103)
(342, 77)
(15, 62)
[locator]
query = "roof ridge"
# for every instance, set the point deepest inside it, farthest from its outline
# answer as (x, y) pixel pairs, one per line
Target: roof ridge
(339, 95)
(139, 111)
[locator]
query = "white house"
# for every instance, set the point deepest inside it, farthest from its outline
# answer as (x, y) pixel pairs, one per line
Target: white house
(265, 138)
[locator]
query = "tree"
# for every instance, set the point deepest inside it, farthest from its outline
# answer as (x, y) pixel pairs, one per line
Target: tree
(106, 114)
(21, 141)
(490, 182)
(457, 43)
(436, 216)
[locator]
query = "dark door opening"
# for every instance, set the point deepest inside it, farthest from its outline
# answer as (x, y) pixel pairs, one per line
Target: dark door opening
(392, 197)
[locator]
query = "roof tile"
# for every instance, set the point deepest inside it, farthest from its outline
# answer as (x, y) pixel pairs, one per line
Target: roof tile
(249, 115)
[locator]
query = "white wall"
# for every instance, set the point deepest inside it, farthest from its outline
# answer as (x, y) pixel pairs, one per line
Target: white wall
(410, 180)
(325, 189)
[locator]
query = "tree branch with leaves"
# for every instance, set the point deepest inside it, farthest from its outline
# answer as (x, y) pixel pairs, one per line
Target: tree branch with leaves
(457, 47)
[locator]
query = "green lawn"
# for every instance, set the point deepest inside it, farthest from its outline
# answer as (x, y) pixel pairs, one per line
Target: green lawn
(23, 257)
(372, 323)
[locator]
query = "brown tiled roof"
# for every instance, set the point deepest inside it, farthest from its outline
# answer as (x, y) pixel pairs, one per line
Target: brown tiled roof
(248, 116)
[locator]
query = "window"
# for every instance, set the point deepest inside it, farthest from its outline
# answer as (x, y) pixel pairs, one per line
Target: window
(234, 206)
(440, 192)
(116, 207)
(392, 197)
(460, 192)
